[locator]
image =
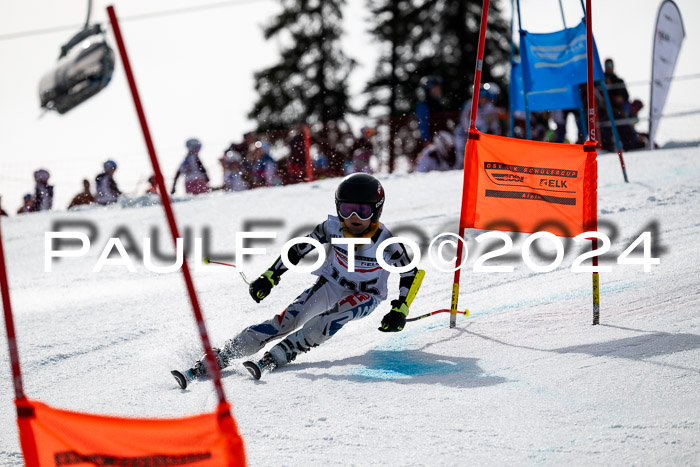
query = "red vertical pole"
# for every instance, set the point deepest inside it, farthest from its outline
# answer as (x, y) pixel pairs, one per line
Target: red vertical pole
(592, 119)
(307, 152)
(467, 156)
(10, 326)
(212, 366)
(479, 65)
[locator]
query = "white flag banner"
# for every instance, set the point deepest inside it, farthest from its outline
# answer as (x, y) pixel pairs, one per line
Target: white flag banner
(668, 37)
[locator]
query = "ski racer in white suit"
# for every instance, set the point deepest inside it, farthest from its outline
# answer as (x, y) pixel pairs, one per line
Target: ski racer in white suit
(338, 296)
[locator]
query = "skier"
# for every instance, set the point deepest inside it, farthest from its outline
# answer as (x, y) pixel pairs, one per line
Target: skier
(43, 193)
(107, 191)
(196, 178)
(337, 297)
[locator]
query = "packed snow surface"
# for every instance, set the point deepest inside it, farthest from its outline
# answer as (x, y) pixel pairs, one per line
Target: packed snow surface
(525, 379)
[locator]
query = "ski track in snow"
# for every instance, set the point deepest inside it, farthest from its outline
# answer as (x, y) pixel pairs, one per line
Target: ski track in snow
(525, 379)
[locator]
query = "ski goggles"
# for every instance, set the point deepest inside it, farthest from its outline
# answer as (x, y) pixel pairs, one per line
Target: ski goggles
(362, 211)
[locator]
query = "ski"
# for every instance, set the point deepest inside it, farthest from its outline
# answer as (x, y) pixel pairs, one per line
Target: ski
(254, 368)
(183, 377)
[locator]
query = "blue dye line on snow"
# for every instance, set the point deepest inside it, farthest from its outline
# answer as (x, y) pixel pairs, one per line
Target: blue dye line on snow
(391, 360)
(394, 365)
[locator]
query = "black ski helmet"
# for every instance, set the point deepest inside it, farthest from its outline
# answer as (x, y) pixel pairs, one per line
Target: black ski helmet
(360, 188)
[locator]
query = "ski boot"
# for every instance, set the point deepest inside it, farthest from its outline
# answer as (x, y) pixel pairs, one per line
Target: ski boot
(199, 369)
(256, 368)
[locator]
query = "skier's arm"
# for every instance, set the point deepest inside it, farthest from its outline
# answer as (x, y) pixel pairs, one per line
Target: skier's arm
(395, 320)
(262, 286)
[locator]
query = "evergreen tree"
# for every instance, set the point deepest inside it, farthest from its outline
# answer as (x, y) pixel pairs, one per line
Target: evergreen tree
(433, 37)
(309, 84)
(430, 37)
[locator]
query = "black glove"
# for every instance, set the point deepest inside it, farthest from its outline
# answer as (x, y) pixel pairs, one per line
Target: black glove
(261, 287)
(395, 320)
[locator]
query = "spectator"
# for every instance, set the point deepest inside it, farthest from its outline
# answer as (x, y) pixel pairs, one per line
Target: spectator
(43, 194)
(539, 127)
(430, 110)
(438, 155)
(84, 197)
(295, 168)
(234, 180)
(361, 151)
(28, 205)
(628, 134)
(264, 171)
(617, 90)
(107, 191)
(152, 186)
(196, 178)
(243, 148)
(321, 166)
(487, 118)
(559, 119)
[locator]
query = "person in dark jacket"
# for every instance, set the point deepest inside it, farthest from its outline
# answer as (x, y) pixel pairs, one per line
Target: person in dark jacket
(196, 178)
(617, 90)
(106, 187)
(43, 192)
(430, 110)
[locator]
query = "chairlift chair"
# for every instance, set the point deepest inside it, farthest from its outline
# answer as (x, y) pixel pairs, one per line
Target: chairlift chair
(84, 68)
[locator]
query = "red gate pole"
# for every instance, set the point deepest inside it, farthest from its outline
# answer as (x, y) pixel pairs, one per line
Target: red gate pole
(592, 120)
(10, 327)
(467, 155)
(211, 365)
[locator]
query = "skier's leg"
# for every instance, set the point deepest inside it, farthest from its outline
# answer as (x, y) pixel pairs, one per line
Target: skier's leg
(321, 328)
(310, 303)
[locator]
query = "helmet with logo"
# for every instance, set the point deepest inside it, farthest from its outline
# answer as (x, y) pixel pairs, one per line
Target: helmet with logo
(193, 145)
(110, 165)
(361, 194)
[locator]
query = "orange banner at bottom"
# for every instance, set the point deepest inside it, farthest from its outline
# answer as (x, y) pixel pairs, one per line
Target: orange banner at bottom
(53, 437)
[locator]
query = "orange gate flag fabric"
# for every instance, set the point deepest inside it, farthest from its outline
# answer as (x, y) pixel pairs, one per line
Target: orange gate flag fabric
(53, 437)
(529, 186)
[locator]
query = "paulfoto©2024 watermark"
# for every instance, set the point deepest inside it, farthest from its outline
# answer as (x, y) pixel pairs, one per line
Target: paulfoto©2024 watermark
(540, 251)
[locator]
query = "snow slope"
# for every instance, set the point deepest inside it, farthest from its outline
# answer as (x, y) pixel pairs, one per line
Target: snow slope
(524, 380)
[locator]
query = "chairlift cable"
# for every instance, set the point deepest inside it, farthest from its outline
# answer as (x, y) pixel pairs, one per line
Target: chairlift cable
(155, 14)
